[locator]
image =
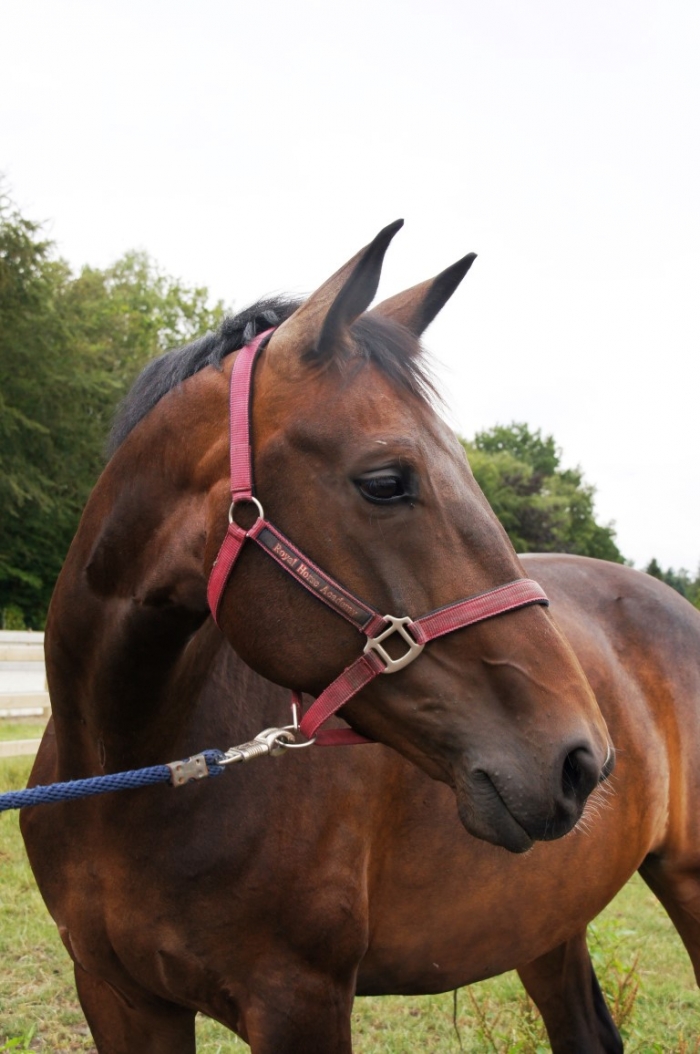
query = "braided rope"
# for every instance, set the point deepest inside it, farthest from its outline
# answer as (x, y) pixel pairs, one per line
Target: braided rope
(56, 792)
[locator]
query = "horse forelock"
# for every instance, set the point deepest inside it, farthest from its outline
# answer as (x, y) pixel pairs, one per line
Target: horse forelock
(391, 347)
(397, 353)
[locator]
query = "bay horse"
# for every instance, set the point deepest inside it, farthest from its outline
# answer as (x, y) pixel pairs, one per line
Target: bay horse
(450, 848)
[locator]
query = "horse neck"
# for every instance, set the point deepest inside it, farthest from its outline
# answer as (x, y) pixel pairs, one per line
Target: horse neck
(125, 649)
(121, 684)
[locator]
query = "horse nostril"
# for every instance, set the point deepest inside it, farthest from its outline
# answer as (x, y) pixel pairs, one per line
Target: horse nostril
(580, 774)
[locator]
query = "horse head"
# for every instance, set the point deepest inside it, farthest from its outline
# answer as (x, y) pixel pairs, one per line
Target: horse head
(352, 462)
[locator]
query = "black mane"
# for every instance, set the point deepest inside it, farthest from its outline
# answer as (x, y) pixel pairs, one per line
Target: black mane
(167, 371)
(390, 346)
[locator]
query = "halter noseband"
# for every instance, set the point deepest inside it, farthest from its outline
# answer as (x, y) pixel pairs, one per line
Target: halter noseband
(415, 633)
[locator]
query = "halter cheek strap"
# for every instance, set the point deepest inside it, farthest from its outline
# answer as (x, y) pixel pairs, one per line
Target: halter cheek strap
(375, 659)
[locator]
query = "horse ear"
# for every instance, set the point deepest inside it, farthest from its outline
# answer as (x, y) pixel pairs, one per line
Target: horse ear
(416, 308)
(317, 330)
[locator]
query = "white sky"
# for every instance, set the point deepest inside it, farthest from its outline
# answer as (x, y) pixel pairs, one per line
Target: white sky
(254, 147)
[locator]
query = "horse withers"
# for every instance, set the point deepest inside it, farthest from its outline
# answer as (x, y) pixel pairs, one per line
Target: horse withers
(267, 898)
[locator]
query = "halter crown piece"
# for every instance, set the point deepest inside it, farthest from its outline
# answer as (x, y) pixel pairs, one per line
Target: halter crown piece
(375, 660)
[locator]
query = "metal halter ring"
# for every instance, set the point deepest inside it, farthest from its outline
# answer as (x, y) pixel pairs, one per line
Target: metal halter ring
(291, 744)
(288, 745)
(397, 625)
(251, 501)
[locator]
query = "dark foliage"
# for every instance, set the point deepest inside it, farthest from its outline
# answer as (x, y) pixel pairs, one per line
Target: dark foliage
(70, 346)
(681, 580)
(543, 507)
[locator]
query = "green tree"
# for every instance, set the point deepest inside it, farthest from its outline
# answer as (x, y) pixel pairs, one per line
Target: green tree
(132, 311)
(543, 507)
(70, 346)
(681, 580)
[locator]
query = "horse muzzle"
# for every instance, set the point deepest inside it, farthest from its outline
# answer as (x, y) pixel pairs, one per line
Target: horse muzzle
(507, 805)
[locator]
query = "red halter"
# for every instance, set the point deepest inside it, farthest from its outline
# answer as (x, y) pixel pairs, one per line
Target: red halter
(374, 659)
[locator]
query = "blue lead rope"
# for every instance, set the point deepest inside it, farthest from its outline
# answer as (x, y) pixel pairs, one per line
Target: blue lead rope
(175, 773)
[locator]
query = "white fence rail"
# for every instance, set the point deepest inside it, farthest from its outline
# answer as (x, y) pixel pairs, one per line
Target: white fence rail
(23, 694)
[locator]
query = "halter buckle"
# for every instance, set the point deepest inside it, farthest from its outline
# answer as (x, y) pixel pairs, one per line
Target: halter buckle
(396, 625)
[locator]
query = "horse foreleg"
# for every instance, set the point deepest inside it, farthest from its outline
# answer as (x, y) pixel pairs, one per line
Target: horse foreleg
(292, 1011)
(565, 989)
(675, 880)
(122, 1024)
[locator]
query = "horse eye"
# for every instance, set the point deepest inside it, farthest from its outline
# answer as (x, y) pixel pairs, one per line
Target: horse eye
(382, 488)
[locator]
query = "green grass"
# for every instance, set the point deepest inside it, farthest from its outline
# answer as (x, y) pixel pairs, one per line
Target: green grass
(10, 729)
(639, 959)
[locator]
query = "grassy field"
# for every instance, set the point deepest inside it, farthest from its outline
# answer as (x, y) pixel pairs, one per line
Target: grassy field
(639, 959)
(10, 729)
